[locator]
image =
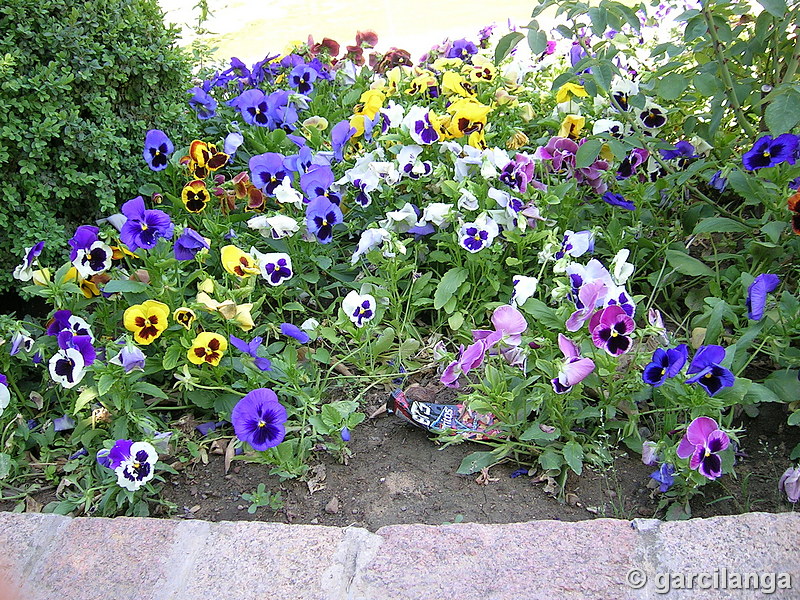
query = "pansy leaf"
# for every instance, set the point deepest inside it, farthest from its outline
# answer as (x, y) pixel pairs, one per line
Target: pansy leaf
(688, 265)
(721, 225)
(587, 153)
(476, 461)
(105, 383)
(785, 385)
(448, 286)
(5, 465)
(148, 389)
(537, 40)
(758, 393)
(535, 432)
(507, 43)
(794, 418)
(672, 86)
(777, 8)
(573, 454)
(172, 357)
(782, 114)
(124, 285)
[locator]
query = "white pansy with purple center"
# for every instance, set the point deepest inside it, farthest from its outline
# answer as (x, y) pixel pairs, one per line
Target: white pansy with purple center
(67, 367)
(370, 238)
(24, 272)
(359, 308)
(524, 288)
(479, 234)
(576, 244)
(409, 163)
(138, 468)
(93, 260)
(276, 267)
(420, 127)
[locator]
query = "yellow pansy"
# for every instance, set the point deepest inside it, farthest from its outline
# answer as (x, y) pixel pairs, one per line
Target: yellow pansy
(208, 347)
(370, 103)
(239, 313)
(564, 92)
(207, 286)
(423, 82)
(442, 64)
(88, 287)
(571, 126)
(316, 122)
(477, 140)
(517, 140)
(237, 262)
(455, 84)
(502, 97)
(526, 112)
(482, 69)
(147, 320)
(207, 302)
(41, 277)
(469, 116)
(184, 316)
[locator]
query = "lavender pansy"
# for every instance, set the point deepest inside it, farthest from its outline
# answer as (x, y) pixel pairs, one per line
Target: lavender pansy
(251, 349)
(321, 216)
(204, 105)
(293, 331)
(157, 148)
(130, 358)
(574, 369)
(757, 295)
(664, 476)
(790, 483)
(259, 418)
(188, 244)
(144, 227)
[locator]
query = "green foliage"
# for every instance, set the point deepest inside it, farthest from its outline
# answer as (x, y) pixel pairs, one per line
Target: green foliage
(80, 85)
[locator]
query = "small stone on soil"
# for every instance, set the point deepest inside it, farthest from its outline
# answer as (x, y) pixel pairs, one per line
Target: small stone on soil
(332, 507)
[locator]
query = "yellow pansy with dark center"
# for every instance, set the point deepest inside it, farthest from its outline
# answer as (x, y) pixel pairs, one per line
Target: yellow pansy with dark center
(208, 347)
(147, 320)
(195, 196)
(239, 263)
(184, 316)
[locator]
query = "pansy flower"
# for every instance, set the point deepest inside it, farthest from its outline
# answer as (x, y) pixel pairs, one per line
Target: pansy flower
(21, 342)
(463, 49)
(611, 328)
(703, 442)
(508, 323)
(469, 358)
(293, 331)
(790, 483)
(277, 227)
(144, 227)
(251, 349)
(68, 365)
(588, 295)
(757, 294)
(359, 308)
(64, 320)
(707, 370)
(317, 181)
(524, 288)
(259, 419)
(207, 347)
(204, 158)
(237, 262)
(321, 216)
(574, 369)
(24, 272)
(204, 105)
(5, 394)
(576, 244)
(133, 462)
(267, 171)
(665, 364)
(157, 148)
(618, 200)
(185, 317)
(195, 196)
(340, 135)
(653, 116)
(147, 321)
(665, 476)
(370, 239)
(768, 152)
(130, 358)
(253, 106)
(276, 267)
(422, 129)
(302, 79)
(188, 244)
(794, 206)
(479, 234)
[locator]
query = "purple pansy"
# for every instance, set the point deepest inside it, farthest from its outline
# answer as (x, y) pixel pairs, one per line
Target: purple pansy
(469, 358)
(665, 476)
(463, 49)
(718, 182)
(302, 79)
(251, 349)
(204, 105)
(64, 320)
(321, 216)
(64, 423)
(130, 358)
(703, 442)
(293, 331)
(340, 134)
(188, 244)
(665, 364)
(757, 295)
(708, 371)
(267, 171)
(259, 419)
(790, 483)
(611, 328)
(768, 152)
(253, 106)
(144, 227)
(618, 200)
(157, 148)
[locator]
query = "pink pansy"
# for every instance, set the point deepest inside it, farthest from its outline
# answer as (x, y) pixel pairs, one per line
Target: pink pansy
(575, 368)
(508, 323)
(468, 359)
(588, 295)
(703, 441)
(610, 328)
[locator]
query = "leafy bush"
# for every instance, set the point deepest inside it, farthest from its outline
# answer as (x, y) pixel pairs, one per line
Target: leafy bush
(80, 85)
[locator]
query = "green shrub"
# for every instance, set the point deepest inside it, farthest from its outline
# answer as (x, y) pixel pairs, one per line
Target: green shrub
(80, 84)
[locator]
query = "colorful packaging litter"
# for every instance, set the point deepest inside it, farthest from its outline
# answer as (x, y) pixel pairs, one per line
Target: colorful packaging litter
(453, 419)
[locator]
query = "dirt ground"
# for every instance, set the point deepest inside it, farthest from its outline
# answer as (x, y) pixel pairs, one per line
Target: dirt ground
(398, 475)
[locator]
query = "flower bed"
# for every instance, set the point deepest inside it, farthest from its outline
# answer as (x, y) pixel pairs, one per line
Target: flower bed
(343, 226)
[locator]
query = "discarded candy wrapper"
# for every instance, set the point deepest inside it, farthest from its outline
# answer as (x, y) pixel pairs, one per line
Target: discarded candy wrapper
(453, 419)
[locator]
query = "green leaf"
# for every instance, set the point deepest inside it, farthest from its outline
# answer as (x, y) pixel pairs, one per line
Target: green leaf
(550, 459)
(602, 71)
(456, 320)
(573, 454)
(785, 385)
(172, 357)
(721, 225)
(782, 113)
(543, 313)
(672, 86)
(5, 465)
(505, 45)
(477, 461)
(794, 419)
(86, 396)
(777, 8)
(124, 285)
(706, 84)
(587, 153)
(757, 393)
(148, 389)
(598, 20)
(695, 27)
(535, 432)
(448, 286)
(384, 342)
(105, 383)
(688, 265)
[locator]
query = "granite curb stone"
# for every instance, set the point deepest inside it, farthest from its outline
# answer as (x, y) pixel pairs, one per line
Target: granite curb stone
(51, 557)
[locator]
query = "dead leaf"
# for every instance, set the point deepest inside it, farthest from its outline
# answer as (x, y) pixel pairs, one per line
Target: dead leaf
(572, 499)
(317, 479)
(65, 481)
(218, 446)
(483, 478)
(203, 455)
(342, 369)
(551, 487)
(32, 505)
(379, 411)
(230, 452)
(37, 399)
